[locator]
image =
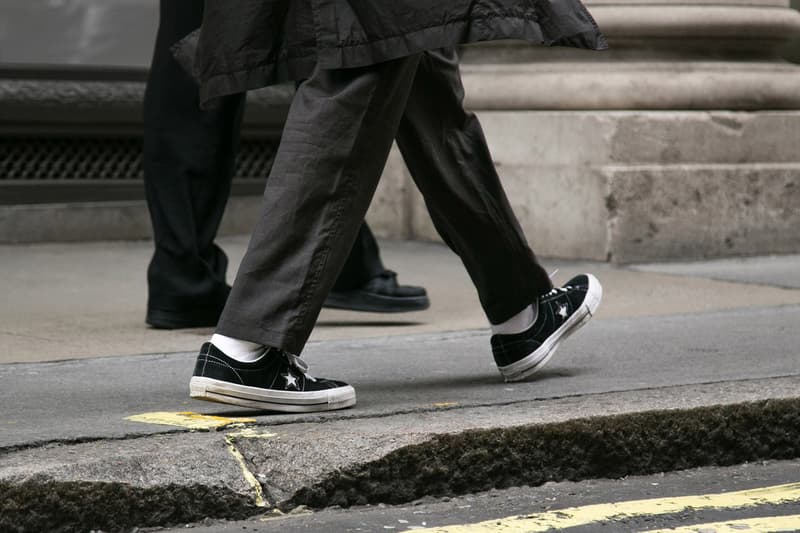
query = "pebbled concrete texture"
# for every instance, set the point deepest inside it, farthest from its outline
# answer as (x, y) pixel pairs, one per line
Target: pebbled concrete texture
(45, 505)
(603, 447)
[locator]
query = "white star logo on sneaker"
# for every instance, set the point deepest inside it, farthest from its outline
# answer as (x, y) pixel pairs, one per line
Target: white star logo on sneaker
(291, 381)
(562, 311)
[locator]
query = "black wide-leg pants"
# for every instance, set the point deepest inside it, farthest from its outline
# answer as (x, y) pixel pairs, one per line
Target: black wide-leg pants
(188, 164)
(335, 144)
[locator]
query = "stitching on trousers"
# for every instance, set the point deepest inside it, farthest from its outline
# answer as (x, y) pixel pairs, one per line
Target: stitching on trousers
(319, 260)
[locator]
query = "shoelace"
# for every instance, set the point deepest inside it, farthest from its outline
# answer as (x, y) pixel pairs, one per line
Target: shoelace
(556, 290)
(299, 365)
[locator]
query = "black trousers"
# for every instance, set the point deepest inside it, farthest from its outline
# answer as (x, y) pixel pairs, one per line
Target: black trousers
(336, 140)
(188, 163)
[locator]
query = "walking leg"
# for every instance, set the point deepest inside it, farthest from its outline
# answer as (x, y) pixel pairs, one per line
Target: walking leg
(188, 166)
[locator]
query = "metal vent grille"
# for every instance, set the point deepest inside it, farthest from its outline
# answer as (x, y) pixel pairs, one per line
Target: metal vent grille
(108, 159)
(70, 159)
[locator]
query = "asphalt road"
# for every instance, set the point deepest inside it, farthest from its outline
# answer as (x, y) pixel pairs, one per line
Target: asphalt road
(558, 505)
(88, 399)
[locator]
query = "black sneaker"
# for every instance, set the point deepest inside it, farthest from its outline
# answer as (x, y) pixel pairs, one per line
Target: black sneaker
(276, 382)
(381, 294)
(561, 312)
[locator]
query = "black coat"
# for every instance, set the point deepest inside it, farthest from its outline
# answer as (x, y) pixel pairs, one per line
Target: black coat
(247, 44)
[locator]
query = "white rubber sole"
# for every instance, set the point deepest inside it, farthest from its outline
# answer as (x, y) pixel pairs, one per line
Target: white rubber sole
(213, 390)
(527, 366)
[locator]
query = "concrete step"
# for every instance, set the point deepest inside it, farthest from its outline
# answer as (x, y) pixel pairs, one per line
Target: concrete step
(165, 480)
(625, 396)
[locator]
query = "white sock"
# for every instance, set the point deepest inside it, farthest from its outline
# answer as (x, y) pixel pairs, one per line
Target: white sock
(242, 351)
(517, 323)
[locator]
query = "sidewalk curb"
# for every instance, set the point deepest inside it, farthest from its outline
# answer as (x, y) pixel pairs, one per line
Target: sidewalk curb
(602, 447)
(444, 464)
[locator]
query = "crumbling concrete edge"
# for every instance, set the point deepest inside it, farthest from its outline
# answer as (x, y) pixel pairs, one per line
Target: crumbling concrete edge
(616, 446)
(42, 504)
(600, 447)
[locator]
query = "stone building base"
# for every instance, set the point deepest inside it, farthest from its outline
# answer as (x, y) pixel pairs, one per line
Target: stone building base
(103, 221)
(632, 186)
(624, 186)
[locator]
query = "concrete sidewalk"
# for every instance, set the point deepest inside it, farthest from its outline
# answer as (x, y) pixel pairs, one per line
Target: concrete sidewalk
(675, 355)
(67, 301)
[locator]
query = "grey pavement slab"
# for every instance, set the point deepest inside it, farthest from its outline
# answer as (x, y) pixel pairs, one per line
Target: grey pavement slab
(776, 270)
(87, 399)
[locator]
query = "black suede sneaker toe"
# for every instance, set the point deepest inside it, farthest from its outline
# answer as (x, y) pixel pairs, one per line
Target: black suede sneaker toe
(276, 382)
(562, 311)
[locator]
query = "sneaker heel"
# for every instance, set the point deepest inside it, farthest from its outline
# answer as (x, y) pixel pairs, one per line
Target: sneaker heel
(197, 389)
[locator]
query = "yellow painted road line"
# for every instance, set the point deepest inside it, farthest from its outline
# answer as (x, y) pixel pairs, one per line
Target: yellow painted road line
(770, 524)
(250, 433)
(251, 480)
(189, 420)
(589, 514)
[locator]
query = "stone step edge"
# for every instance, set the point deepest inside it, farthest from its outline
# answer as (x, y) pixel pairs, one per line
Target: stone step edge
(614, 446)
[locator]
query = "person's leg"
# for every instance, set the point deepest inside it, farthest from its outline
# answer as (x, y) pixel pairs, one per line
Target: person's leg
(188, 165)
(335, 144)
(447, 155)
(364, 284)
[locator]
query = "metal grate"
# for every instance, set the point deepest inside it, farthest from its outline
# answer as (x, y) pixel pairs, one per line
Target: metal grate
(70, 159)
(254, 160)
(107, 159)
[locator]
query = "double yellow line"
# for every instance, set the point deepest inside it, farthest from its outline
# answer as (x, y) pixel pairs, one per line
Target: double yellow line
(771, 524)
(589, 514)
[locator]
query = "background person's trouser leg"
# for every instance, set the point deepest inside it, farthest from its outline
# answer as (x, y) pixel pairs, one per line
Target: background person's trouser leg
(334, 146)
(189, 157)
(363, 263)
(445, 150)
(188, 164)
